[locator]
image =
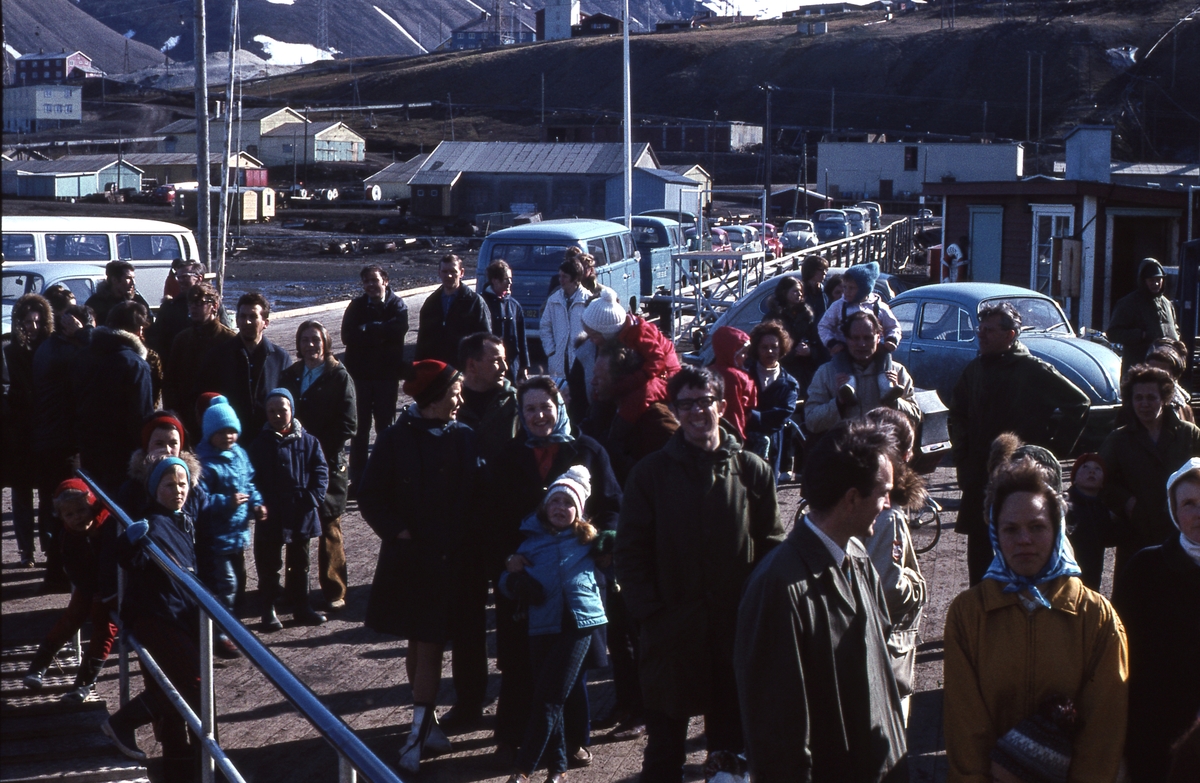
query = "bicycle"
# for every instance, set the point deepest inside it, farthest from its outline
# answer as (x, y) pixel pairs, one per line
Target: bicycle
(926, 526)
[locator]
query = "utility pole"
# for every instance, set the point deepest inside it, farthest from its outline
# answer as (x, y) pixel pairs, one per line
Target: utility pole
(1028, 90)
(628, 111)
(450, 105)
(768, 139)
(203, 219)
(1041, 96)
(832, 104)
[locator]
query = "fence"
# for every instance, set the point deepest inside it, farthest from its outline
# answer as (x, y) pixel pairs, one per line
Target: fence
(353, 755)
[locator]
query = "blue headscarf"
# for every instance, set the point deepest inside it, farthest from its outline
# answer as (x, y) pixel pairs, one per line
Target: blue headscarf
(561, 432)
(1061, 563)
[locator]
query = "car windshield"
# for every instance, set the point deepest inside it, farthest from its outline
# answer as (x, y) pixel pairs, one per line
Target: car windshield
(1038, 315)
(540, 257)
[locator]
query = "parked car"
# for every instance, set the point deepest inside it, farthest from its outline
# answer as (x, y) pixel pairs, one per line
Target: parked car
(831, 225)
(36, 276)
(657, 239)
(164, 194)
(720, 241)
(939, 340)
(798, 235)
(744, 239)
(859, 220)
(770, 239)
(875, 211)
(750, 309)
(924, 214)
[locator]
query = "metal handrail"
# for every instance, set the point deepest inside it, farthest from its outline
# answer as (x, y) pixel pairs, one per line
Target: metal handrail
(353, 754)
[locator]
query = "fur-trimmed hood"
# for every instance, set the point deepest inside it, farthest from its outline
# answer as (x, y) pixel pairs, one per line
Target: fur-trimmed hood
(24, 305)
(139, 467)
(107, 340)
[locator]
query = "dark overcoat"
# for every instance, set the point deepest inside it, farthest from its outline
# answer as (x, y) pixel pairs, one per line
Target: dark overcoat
(693, 525)
(419, 479)
(819, 699)
(438, 334)
(373, 333)
(291, 474)
(1136, 466)
(115, 397)
(328, 411)
(1009, 392)
(1159, 603)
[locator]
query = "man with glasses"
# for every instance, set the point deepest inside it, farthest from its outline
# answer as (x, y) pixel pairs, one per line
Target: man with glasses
(824, 407)
(173, 316)
(1005, 389)
(695, 519)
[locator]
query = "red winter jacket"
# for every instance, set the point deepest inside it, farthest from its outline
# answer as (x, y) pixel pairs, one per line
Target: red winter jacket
(741, 394)
(638, 391)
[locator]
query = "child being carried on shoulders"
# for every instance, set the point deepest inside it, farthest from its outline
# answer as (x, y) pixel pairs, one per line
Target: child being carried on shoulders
(858, 295)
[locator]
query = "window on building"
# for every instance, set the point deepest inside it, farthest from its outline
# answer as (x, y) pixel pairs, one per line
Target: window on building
(910, 158)
(420, 192)
(49, 93)
(47, 108)
(433, 192)
(1049, 221)
(70, 109)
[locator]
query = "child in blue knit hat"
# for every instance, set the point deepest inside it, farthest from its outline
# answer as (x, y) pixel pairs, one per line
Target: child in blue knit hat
(293, 476)
(223, 529)
(858, 296)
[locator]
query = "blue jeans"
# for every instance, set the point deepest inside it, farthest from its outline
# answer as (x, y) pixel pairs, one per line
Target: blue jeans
(557, 659)
(224, 574)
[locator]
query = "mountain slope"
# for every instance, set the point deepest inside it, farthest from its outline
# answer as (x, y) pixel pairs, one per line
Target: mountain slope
(54, 25)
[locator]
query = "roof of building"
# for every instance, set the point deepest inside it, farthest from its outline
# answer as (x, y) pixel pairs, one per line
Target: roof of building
(314, 129)
(400, 171)
(685, 168)
(247, 115)
(180, 158)
(667, 176)
(1156, 169)
(50, 55)
(72, 164)
(510, 157)
(444, 177)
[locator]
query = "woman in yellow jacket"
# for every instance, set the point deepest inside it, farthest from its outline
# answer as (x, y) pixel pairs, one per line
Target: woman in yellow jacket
(1028, 631)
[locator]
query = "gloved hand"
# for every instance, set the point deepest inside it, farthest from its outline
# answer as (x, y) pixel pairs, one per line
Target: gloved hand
(604, 543)
(136, 530)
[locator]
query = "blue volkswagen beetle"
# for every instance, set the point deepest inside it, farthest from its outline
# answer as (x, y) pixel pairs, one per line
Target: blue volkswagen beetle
(939, 340)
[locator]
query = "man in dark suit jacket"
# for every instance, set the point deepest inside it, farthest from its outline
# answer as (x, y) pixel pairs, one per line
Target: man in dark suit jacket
(245, 369)
(449, 314)
(818, 696)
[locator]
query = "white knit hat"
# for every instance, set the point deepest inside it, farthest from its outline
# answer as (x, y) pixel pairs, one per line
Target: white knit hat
(604, 313)
(576, 484)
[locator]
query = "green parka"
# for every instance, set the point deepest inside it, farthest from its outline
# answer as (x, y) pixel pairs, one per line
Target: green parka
(693, 525)
(1016, 392)
(1135, 466)
(1141, 318)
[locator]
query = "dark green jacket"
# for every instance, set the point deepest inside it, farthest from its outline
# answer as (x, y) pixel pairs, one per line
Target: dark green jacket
(818, 696)
(498, 425)
(693, 526)
(1137, 321)
(1009, 392)
(1135, 466)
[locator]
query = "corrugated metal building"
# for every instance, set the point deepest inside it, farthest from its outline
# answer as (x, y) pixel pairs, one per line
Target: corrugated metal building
(393, 178)
(466, 178)
(249, 126)
(70, 177)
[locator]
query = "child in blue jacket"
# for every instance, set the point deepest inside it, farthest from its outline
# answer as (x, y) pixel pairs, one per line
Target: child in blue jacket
(223, 527)
(292, 475)
(553, 571)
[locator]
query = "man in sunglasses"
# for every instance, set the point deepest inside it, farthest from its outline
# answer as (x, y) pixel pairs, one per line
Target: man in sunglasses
(188, 350)
(696, 518)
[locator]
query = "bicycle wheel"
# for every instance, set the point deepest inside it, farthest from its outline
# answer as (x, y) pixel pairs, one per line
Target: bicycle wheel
(926, 527)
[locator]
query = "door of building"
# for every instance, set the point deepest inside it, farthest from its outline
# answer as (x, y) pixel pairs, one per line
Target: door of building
(986, 234)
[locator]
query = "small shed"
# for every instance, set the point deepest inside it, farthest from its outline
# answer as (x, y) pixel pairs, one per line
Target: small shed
(431, 192)
(318, 142)
(653, 189)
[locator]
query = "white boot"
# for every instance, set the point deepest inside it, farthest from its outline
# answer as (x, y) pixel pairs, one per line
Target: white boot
(410, 754)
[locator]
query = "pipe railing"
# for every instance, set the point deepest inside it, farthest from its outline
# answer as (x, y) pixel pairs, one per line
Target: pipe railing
(705, 284)
(353, 755)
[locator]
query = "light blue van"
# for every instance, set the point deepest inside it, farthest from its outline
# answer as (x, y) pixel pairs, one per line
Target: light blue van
(535, 250)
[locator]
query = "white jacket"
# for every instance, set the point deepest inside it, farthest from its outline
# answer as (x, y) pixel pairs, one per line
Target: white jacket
(561, 328)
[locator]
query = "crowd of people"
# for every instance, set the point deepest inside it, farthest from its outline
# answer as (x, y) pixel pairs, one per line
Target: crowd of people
(619, 508)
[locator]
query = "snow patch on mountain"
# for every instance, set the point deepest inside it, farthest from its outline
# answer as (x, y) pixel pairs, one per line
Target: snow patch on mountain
(284, 53)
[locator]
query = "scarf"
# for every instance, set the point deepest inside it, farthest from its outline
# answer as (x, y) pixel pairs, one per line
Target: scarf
(560, 434)
(1061, 563)
(1190, 548)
